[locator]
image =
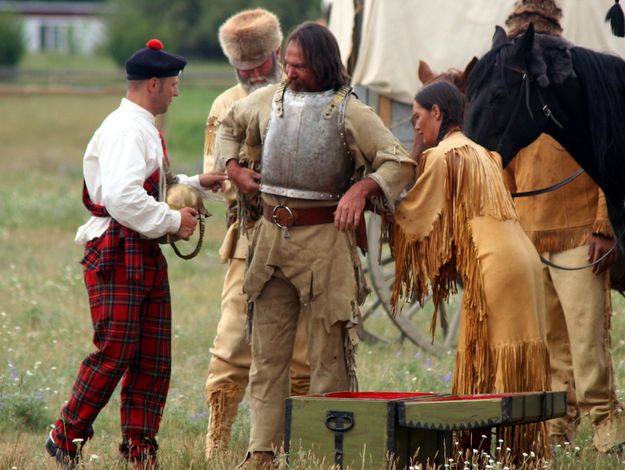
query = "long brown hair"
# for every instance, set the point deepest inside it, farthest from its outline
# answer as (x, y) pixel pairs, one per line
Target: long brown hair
(322, 54)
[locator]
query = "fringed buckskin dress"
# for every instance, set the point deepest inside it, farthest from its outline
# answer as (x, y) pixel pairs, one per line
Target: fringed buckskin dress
(459, 221)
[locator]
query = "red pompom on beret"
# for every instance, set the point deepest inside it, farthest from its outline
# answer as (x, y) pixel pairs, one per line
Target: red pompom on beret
(155, 44)
(153, 61)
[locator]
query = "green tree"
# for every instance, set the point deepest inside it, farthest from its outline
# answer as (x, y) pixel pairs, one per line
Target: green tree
(190, 27)
(132, 24)
(290, 12)
(11, 40)
(57, 1)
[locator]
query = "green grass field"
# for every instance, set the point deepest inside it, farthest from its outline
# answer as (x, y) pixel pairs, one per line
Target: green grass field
(44, 321)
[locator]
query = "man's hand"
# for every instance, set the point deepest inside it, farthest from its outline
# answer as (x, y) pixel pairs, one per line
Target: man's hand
(352, 204)
(245, 179)
(213, 180)
(599, 246)
(188, 221)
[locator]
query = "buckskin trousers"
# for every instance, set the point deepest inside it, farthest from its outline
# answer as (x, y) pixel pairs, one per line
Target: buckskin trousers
(274, 323)
(578, 338)
(132, 334)
(231, 352)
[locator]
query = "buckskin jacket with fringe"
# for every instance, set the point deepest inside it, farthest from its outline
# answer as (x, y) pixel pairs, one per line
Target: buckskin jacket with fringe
(320, 261)
(459, 221)
(562, 219)
(233, 246)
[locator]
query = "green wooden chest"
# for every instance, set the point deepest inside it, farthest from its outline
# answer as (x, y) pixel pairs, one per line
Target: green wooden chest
(377, 430)
(355, 430)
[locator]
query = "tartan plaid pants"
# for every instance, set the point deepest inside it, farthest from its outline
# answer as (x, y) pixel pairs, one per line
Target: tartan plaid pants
(132, 334)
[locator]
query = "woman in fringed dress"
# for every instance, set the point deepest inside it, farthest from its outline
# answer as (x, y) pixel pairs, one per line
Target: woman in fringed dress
(459, 221)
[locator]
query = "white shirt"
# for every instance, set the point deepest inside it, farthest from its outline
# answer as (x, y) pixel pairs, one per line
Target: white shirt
(124, 151)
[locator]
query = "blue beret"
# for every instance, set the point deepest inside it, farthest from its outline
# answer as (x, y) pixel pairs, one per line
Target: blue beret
(153, 61)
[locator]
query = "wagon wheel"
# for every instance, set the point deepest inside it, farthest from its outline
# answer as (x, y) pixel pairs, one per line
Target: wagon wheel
(413, 320)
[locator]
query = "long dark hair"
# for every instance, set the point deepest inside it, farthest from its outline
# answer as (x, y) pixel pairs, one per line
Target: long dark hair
(449, 100)
(322, 54)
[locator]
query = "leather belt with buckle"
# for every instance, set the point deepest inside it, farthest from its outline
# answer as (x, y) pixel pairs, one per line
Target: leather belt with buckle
(286, 217)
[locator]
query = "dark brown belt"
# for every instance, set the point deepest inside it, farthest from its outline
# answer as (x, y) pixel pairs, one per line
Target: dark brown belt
(286, 217)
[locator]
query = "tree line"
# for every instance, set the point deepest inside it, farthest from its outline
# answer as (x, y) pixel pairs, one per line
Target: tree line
(187, 27)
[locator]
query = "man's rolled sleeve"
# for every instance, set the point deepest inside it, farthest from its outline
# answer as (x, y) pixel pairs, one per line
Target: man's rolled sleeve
(387, 162)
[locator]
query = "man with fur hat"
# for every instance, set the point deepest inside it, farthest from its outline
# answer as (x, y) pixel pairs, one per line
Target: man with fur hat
(125, 273)
(569, 226)
(251, 41)
(322, 155)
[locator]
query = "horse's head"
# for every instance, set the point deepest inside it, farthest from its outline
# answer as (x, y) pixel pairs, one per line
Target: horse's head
(456, 76)
(508, 87)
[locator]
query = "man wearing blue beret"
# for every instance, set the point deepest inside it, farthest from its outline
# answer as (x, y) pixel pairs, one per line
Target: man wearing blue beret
(125, 171)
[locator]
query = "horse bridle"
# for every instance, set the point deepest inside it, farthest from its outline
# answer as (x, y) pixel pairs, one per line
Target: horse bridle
(524, 91)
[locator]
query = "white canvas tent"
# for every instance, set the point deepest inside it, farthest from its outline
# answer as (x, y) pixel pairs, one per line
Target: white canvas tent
(396, 34)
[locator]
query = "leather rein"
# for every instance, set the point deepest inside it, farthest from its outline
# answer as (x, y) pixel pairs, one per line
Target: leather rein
(524, 92)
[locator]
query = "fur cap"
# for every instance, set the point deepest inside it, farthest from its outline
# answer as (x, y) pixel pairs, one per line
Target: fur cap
(544, 14)
(250, 37)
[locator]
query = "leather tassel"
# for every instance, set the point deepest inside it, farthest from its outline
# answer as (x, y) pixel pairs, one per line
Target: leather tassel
(617, 19)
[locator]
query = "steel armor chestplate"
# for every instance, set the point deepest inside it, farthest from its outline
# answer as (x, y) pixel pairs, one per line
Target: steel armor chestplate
(304, 152)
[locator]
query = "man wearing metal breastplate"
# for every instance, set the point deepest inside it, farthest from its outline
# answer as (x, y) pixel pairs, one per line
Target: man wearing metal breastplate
(251, 41)
(322, 155)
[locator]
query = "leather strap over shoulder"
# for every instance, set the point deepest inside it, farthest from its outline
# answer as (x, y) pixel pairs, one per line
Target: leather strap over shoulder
(340, 95)
(278, 99)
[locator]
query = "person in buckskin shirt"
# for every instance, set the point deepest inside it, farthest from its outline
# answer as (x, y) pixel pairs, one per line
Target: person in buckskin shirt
(322, 155)
(569, 227)
(251, 41)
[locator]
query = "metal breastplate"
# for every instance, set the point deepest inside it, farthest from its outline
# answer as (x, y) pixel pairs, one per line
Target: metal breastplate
(304, 151)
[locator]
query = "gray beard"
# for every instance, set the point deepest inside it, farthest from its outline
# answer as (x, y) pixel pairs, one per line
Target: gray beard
(253, 84)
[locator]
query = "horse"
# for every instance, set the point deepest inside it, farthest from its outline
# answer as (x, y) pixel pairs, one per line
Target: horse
(537, 83)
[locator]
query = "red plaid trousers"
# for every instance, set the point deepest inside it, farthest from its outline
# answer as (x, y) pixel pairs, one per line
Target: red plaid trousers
(132, 333)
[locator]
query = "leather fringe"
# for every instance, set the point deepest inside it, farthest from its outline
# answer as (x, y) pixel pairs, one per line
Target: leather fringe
(350, 345)
(547, 241)
(435, 260)
(514, 367)
(223, 401)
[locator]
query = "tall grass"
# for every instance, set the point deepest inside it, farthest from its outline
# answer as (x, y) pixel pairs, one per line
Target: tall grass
(44, 322)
